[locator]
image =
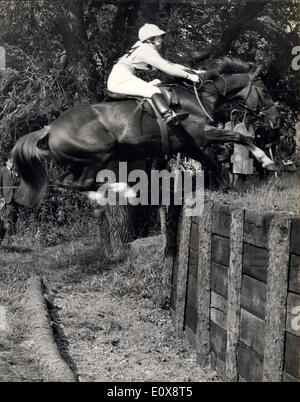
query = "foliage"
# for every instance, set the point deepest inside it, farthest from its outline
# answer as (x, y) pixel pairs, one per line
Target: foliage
(59, 53)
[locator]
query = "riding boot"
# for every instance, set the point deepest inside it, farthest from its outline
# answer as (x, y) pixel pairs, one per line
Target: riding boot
(168, 115)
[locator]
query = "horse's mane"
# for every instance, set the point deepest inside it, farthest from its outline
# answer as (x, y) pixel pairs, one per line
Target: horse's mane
(228, 65)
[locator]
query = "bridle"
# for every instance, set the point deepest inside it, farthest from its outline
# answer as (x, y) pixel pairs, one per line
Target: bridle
(259, 111)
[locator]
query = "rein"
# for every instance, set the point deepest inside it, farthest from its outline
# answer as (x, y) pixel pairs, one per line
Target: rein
(201, 104)
(257, 111)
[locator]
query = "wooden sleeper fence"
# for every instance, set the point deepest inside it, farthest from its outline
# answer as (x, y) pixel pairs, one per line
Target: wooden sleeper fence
(235, 283)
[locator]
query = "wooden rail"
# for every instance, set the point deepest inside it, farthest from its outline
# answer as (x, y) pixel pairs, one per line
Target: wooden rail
(235, 290)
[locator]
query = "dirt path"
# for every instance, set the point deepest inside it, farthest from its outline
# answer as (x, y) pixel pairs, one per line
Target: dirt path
(109, 315)
(123, 339)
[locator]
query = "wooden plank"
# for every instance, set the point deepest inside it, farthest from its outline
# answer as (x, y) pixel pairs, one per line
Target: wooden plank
(193, 270)
(252, 332)
(292, 355)
(218, 310)
(218, 340)
(295, 236)
(279, 246)
(191, 317)
(220, 368)
(254, 294)
(176, 257)
(255, 262)
(221, 220)
(203, 286)
(250, 364)
(217, 365)
(293, 314)
(253, 217)
(193, 263)
(191, 298)
(220, 251)
(256, 230)
(173, 298)
(219, 279)
(195, 219)
(289, 378)
(194, 243)
(170, 239)
(193, 257)
(190, 336)
(185, 236)
(294, 276)
(234, 294)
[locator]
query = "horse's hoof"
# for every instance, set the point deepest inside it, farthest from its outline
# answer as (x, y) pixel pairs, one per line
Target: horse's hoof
(65, 181)
(87, 185)
(271, 167)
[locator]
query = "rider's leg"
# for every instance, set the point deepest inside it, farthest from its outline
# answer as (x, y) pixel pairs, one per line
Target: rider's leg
(165, 111)
(134, 86)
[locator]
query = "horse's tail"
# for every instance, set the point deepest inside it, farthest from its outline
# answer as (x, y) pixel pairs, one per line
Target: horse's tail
(34, 178)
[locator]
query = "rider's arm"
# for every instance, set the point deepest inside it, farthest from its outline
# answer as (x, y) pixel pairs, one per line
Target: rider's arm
(152, 57)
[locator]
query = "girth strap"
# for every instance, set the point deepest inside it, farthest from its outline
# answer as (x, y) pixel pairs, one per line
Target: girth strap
(163, 130)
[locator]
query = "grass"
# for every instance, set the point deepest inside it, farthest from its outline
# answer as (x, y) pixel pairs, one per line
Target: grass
(277, 195)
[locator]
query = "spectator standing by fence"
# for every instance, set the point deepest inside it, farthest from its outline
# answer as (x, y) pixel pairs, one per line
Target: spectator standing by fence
(230, 125)
(241, 159)
(9, 208)
(234, 120)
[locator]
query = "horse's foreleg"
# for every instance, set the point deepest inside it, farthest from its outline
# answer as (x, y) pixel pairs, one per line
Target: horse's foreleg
(215, 135)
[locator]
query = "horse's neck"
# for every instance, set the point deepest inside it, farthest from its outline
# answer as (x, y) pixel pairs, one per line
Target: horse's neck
(236, 82)
(210, 95)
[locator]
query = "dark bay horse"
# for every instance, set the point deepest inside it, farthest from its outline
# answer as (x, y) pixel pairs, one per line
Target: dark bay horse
(88, 136)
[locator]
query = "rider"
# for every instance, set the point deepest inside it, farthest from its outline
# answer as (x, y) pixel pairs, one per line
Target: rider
(144, 55)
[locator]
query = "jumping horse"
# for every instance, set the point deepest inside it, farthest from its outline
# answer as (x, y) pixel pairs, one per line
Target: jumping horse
(87, 137)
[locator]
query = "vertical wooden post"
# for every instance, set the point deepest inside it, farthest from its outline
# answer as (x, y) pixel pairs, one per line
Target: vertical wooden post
(183, 261)
(170, 250)
(276, 306)
(234, 294)
(163, 223)
(169, 227)
(203, 285)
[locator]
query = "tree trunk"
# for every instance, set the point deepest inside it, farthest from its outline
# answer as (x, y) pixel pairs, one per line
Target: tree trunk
(70, 22)
(123, 33)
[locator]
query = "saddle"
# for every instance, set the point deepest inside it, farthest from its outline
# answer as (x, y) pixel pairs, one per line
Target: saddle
(147, 106)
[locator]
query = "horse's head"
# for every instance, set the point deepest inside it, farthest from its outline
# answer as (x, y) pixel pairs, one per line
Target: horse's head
(256, 97)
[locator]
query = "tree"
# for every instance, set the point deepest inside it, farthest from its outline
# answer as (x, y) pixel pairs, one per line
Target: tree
(69, 21)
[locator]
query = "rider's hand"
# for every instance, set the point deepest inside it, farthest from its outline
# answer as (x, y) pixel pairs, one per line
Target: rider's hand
(193, 78)
(200, 71)
(155, 82)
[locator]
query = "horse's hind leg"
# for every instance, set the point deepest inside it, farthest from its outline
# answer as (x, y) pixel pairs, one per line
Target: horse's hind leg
(67, 179)
(87, 179)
